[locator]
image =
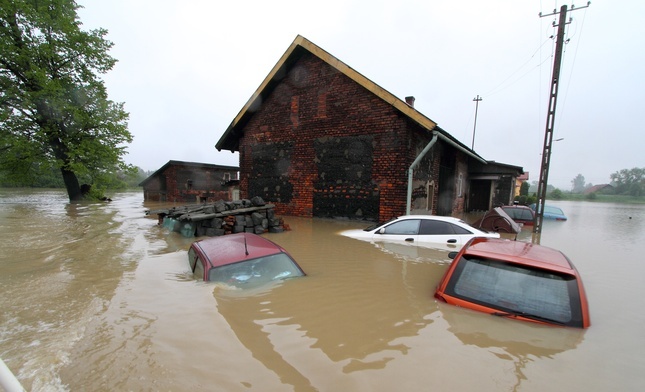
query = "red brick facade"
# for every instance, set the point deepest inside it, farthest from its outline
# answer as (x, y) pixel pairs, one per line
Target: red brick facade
(188, 182)
(314, 105)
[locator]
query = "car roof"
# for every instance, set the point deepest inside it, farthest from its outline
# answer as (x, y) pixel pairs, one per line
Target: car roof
(519, 252)
(435, 217)
(519, 207)
(232, 248)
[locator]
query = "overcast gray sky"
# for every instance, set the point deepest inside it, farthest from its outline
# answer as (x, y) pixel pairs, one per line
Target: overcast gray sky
(187, 67)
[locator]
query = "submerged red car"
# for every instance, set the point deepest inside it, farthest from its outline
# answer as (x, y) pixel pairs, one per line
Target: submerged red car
(241, 259)
(520, 214)
(517, 280)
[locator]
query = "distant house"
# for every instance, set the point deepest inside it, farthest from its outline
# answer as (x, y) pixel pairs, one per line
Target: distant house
(522, 178)
(182, 182)
(318, 139)
(602, 189)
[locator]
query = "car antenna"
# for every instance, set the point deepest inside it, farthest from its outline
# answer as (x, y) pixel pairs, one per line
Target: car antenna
(246, 249)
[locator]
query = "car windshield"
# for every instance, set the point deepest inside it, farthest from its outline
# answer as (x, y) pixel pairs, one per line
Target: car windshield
(379, 224)
(518, 290)
(256, 271)
(553, 210)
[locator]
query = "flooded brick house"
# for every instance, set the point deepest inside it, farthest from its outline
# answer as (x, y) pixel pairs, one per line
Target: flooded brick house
(179, 181)
(318, 139)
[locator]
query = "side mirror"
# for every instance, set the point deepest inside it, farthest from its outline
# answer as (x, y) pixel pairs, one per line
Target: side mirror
(381, 230)
(452, 255)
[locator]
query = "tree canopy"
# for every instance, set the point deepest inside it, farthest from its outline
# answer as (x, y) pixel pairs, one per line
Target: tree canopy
(54, 108)
(578, 184)
(629, 181)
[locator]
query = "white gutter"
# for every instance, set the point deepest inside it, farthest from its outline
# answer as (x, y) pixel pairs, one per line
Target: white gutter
(411, 170)
(424, 152)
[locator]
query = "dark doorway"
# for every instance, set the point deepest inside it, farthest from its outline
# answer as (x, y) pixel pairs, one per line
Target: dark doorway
(479, 195)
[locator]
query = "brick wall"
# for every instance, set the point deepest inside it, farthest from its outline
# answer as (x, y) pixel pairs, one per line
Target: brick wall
(186, 183)
(322, 145)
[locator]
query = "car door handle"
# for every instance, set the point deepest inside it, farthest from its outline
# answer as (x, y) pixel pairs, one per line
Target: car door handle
(409, 239)
(452, 241)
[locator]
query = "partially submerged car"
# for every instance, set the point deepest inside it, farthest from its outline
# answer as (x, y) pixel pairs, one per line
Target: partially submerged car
(551, 212)
(520, 214)
(240, 259)
(517, 280)
(499, 221)
(427, 230)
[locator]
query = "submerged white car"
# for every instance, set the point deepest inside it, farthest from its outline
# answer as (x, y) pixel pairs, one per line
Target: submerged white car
(442, 232)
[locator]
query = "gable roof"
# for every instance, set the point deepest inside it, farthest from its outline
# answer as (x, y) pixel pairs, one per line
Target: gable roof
(299, 47)
(597, 188)
(197, 165)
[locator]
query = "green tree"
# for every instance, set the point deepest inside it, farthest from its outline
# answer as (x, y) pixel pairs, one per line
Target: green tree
(578, 184)
(629, 181)
(524, 188)
(54, 109)
(556, 194)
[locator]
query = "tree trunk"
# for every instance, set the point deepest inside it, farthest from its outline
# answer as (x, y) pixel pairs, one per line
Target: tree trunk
(72, 185)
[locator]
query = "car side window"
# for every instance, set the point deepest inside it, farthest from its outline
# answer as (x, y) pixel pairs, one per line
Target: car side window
(192, 256)
(405, 227)
(196, 264)
(434, 227)
(199, 268)
(459, 229)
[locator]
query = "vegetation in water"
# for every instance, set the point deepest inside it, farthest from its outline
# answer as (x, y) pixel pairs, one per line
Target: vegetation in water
(55, 115)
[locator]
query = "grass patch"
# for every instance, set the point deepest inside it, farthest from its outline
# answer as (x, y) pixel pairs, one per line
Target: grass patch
(625, 199)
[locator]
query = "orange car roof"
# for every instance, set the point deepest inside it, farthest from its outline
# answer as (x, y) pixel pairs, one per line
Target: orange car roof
(521, 253)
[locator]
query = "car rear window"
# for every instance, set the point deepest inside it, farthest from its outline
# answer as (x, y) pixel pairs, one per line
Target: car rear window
(517, 289)
(519, 213)
(256, 271)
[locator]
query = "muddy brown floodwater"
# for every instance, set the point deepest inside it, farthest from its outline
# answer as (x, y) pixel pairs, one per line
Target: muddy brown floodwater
(97, 297)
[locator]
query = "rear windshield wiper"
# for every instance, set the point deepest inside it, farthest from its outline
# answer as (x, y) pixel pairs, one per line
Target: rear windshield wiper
(527, 315)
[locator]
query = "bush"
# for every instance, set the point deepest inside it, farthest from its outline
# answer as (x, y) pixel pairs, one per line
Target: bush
(522, 200)
(591, 196)
(556, 194)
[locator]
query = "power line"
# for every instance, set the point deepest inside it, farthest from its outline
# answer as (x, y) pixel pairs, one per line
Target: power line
(548, 133)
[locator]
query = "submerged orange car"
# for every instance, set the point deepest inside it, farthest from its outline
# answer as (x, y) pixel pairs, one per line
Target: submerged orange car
(517, 280)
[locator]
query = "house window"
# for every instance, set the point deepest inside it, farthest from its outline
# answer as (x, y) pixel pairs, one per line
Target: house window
(460, 185)
(227, 176)
(189, 184)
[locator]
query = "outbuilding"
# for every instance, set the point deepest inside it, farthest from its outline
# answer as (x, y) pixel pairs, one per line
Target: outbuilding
(187, 182)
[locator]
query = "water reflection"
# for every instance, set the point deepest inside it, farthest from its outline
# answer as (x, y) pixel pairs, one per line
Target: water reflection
(413, 253)
(327, 321)
(510, 340)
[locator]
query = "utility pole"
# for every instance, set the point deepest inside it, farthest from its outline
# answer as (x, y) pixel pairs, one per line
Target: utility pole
(476, 99)
(548, 134)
